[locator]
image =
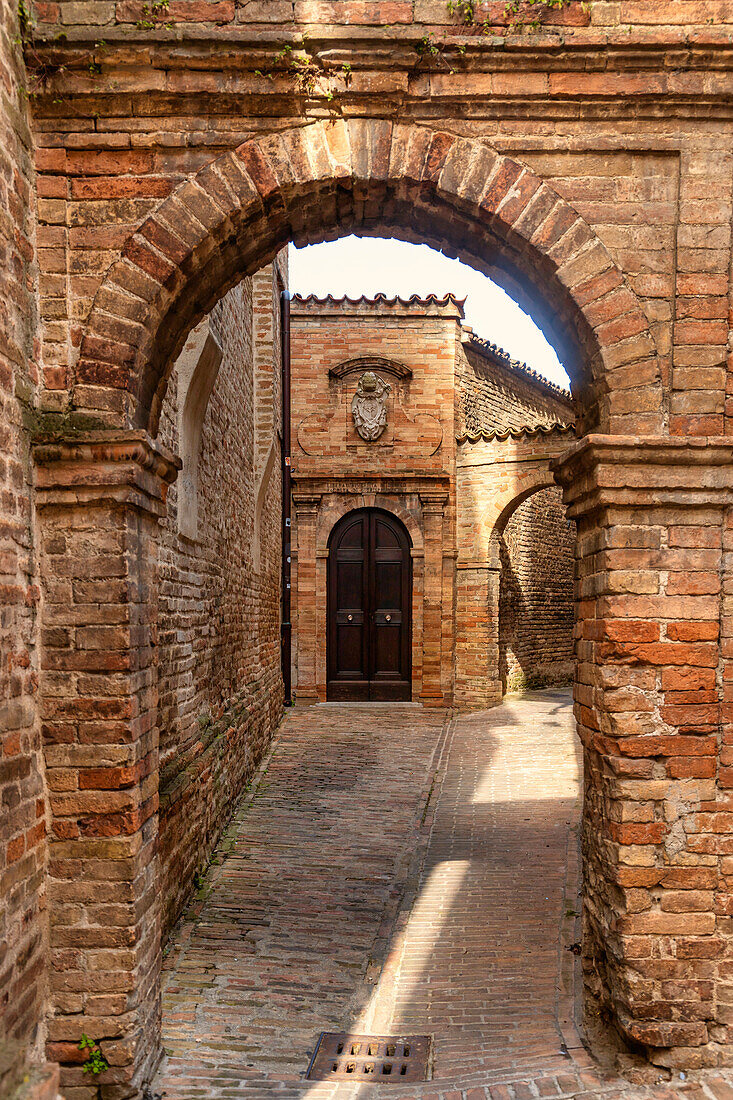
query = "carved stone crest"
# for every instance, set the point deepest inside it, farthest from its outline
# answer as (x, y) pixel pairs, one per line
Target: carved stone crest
(369, 406)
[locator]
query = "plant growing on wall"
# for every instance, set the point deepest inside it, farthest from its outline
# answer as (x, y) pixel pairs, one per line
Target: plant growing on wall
(519, 14)
(312, 76)
(40, 70)
(96, 1062)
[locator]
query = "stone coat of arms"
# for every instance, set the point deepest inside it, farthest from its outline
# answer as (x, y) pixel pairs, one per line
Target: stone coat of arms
(369, 406)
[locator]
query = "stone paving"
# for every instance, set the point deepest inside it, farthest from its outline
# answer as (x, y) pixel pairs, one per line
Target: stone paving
(393, 870)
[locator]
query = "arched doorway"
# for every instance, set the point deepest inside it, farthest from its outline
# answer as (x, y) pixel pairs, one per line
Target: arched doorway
(372, 176)
(369, 608)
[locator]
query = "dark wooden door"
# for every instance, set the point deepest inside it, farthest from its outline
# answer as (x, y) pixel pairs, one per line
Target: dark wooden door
(369, 605)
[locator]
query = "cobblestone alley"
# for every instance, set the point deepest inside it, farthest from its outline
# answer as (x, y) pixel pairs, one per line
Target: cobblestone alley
(393, 870)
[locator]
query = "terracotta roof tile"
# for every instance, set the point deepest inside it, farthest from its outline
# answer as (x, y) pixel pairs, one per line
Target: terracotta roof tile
(529, 431)
(382, 299)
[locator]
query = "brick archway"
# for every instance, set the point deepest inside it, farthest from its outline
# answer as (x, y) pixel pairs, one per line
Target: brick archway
(495, 475)
(317, 181)
(107, 489)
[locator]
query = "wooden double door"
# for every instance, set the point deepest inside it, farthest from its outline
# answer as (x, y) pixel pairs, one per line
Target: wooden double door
(369, 608)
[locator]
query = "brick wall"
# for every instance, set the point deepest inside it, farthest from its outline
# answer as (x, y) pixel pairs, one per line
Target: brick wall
(220, 684)
(22, 802)
(624, 113)
(495, 393)
(536, 611)
(415, 342)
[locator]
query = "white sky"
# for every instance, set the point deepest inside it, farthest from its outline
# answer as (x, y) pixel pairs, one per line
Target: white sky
(372, 265)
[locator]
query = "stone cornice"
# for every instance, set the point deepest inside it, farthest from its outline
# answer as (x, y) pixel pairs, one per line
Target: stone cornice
(182, 39)
(103, 467)
(674, 68)
(601, 471)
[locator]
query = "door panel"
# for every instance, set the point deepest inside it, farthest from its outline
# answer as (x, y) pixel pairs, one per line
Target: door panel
(369, 603)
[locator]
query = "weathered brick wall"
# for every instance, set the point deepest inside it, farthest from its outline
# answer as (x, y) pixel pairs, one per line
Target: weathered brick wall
(23, 812)
(643, 188)
(589, 168)
(219, 673)
(536, 610)
(416, 342)
(495, 393)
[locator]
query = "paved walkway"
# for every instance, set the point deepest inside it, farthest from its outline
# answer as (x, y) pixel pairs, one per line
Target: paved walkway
(394, 869)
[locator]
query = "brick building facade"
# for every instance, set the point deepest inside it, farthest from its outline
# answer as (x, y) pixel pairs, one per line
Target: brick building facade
(446, 393)
(586, 164)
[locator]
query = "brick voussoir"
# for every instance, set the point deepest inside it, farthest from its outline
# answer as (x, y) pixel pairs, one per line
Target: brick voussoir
(504, 176)
(258, 169)
(572, 245)
(339, 147)
(143, 255)
(274, 151)
(410, 146)
(296, 145)
(440, 145)
(467, 167)
(538, 210)
(112, 300)
(195, 197)
(183, 223)
(166, 242)
(518, 198)
(370, 141)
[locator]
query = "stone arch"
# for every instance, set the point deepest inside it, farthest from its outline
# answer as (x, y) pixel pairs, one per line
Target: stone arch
(323, 179)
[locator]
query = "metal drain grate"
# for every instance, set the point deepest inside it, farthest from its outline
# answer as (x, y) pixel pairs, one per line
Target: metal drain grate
(378, 1058)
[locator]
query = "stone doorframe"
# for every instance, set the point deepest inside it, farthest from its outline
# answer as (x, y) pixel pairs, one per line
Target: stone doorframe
(421, 507)
(495, 473)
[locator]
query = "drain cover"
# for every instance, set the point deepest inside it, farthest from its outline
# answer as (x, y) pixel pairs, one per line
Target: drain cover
(381, 1058)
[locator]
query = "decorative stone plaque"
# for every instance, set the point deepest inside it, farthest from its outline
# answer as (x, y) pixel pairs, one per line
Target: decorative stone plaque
(369, 407)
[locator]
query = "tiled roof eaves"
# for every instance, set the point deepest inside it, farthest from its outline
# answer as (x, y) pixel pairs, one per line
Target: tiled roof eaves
(530, 431)
(381, 299)
(485, 347)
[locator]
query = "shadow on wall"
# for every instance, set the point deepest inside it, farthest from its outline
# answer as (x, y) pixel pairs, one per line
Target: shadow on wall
(536, 612)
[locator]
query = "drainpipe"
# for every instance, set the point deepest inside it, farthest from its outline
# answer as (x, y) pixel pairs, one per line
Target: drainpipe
(286, 625)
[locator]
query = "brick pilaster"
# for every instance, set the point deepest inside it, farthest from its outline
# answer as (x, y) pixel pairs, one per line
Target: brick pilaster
(651, 711)
(99, 498)
(433, 509)
(477, 681)
(306, 516)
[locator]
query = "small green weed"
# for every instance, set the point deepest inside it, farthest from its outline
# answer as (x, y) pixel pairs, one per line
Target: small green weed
(96, 1062)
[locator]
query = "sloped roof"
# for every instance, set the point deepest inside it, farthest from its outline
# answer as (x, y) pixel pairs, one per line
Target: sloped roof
(493, 351)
